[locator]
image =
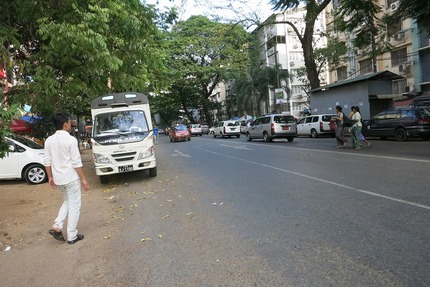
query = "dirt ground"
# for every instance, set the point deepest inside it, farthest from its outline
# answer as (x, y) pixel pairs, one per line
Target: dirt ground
(26, 210)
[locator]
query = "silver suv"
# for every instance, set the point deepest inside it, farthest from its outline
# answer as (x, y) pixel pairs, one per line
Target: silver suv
(268, 127)
(227, 128)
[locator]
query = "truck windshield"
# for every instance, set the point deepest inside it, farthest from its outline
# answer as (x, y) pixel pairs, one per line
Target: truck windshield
(120, 127)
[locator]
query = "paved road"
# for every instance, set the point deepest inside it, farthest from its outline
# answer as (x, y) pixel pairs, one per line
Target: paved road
(226, 212)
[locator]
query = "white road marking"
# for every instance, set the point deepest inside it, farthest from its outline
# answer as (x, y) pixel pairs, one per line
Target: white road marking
(244, 147)
(178, 153)
(326, 181)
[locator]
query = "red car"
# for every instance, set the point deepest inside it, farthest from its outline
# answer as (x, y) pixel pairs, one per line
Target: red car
(179, 133)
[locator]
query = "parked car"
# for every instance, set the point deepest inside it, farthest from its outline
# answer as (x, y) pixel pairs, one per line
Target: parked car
(400, 124)
(272, 126)
(160, 131)
(227, 128)
(316, 125)
(421, 102)
(179, 133)
(195, 130)
(211, 130)
(24, 161)
(243, 127)
(205, 129)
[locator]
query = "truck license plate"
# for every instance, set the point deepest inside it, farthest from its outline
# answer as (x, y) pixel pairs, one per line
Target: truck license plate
(285, 128)
(125, 168)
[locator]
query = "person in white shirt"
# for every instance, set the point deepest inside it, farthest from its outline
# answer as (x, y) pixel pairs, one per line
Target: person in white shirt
(64, 168)
(356, 128)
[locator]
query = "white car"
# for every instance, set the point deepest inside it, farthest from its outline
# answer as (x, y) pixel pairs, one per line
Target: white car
(24, 160)
(227, 129)
(195, 130)
(316, 125)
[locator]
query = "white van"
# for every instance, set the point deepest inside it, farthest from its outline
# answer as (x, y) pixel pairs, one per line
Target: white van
(122, 136)
(227, 129)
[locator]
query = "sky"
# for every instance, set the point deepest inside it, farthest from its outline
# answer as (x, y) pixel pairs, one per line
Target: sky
(261, 7)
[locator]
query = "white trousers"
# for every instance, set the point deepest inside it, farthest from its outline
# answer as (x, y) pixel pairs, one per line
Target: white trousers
(70, 208)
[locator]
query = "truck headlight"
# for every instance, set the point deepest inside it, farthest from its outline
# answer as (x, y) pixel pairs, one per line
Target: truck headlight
(101, 159)
(146, 153)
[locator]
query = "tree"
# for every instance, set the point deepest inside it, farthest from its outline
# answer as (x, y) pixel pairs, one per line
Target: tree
(202, 54)
(313, 9)
(73, 48)
(415, 9)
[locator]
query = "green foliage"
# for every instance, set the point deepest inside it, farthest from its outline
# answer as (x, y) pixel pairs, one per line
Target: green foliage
(415, 9)
(6, 117)
(80, 46)
(202, 53)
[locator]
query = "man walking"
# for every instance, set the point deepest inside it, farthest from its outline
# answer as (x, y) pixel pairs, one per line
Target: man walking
(64, 168)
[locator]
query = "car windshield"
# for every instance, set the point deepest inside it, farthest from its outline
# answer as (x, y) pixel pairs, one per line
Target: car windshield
(425, 112)
(181, 128)
(284, 119)
(27, 142)
(232, 124)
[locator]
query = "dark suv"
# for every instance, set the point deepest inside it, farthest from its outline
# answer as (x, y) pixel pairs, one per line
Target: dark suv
(400, 123)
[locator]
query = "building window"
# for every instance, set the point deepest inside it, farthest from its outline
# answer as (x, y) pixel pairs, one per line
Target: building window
(275, 40)
(394, 28)
(341, 73)
(366, 66)
(398, 57)
(399, 86)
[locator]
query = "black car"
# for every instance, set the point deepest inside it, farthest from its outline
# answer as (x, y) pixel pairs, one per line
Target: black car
(400, 124)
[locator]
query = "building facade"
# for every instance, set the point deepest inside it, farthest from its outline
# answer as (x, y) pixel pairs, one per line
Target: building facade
(408, 57)
(280, 47)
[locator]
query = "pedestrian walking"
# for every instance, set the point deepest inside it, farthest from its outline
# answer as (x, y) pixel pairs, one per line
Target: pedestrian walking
(356, 128)
(64, 168)
(363, 129)
(341, 141)
(155, 133)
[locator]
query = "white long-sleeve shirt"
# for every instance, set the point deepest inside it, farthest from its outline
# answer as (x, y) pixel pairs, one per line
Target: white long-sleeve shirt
(62, 155)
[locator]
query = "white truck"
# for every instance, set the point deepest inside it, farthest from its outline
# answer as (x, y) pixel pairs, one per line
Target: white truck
(122, 137)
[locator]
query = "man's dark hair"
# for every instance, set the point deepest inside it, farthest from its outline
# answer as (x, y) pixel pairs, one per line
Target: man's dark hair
(59, 119)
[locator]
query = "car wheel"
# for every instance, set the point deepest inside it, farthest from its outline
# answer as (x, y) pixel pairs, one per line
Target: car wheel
(401, 134)
(266, 137)
(171, 140)
(214, 135)
(222, 135)
(248, 137)
(238, 136)
(153, 172)
(290, 139)
(189, 138)
(104, 179)
(35, 174)
(314, 133)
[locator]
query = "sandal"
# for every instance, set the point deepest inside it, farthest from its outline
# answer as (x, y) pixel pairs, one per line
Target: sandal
(57, 234)
(78, 237)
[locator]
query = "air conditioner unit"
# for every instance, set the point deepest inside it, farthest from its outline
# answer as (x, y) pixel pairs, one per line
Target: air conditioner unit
(409, 89)
(404, 67)
(394, 6)
(292, 63)
(399, 36)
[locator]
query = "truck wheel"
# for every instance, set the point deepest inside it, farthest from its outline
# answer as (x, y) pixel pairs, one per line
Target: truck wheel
(314, 133)
(290, 139)
(104, 179)
(266, 137)
(153, 172)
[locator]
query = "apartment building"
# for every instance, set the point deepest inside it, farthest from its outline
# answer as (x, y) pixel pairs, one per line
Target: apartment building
(280, 47)
(409, 58)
